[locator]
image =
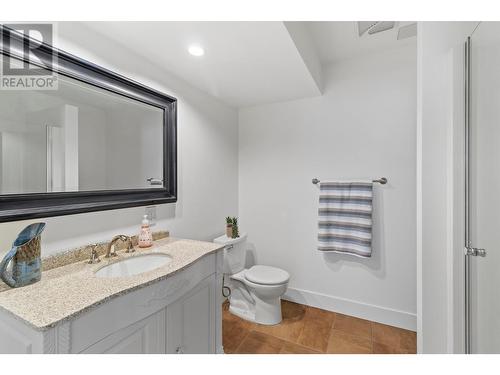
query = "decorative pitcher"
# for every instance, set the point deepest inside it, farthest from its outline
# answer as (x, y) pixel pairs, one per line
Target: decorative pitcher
(25, 257)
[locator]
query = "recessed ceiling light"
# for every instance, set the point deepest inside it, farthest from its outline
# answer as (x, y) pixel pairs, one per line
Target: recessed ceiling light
(196, 50)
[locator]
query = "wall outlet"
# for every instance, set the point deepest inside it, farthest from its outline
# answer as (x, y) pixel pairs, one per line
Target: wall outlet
(151, 214)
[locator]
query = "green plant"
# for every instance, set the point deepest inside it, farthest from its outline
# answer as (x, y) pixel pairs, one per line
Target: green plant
(229, 220)
(236, 233)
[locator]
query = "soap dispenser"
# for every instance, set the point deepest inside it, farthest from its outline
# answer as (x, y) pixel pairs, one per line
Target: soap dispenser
(145, 236)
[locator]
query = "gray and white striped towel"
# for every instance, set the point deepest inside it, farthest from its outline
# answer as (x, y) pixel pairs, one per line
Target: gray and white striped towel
(345, 217)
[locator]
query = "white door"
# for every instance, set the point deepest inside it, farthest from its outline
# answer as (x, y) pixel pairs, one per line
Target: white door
(484, 189)
(144, 337)
(190, 321)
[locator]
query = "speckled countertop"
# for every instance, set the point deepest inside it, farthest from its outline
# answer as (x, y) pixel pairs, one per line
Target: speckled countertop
(67, 291)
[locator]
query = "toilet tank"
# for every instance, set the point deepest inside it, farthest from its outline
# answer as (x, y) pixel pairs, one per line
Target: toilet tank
(234, 253)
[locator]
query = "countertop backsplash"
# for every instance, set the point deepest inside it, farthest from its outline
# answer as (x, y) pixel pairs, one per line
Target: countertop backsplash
(78, 254)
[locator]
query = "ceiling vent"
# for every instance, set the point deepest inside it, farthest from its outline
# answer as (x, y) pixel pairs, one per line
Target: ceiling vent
(407, 31)
(374, 27)
(364, 26)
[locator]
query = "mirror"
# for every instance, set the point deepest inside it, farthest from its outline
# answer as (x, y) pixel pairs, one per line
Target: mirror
(95, 141)
(78, 138)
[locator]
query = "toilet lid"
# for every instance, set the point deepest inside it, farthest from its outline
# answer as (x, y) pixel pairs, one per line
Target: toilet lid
(266, 275)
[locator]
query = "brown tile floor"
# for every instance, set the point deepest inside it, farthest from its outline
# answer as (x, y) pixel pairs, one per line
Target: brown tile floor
(308, 330)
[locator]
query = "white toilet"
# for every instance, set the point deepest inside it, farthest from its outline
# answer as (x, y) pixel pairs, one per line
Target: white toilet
(255, 292)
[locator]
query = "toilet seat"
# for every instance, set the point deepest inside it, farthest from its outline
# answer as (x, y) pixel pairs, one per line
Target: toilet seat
(267, 275)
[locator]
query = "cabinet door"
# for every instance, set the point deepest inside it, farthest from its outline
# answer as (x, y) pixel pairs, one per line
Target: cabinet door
(144, 337)
(190, 320)
(12, 339)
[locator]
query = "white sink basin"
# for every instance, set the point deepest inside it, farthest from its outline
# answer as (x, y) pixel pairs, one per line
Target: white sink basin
(134, 265)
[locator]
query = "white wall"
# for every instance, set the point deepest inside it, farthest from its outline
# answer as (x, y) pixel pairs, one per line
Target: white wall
(13, 154)
(92, 132)
(207, 158)
(71, 149)
(438, 119)
(484, 186)
(362, 127)
(134, 148)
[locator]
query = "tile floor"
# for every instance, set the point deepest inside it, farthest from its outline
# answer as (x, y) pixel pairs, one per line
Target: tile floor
(308, 330)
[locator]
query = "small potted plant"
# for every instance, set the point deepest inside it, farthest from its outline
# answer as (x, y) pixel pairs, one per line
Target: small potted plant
(229, 227)
(235, 231)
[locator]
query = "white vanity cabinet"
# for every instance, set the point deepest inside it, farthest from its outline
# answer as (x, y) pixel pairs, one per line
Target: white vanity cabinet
(145, 336)
(180, 314)
(190, 319)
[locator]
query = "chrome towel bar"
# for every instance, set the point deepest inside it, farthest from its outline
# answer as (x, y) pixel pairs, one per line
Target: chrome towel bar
(381, 180)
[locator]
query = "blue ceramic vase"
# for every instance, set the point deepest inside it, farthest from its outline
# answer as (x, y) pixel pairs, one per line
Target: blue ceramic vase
(25, 258)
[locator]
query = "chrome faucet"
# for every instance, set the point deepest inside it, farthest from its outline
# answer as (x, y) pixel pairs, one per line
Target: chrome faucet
(110, 251)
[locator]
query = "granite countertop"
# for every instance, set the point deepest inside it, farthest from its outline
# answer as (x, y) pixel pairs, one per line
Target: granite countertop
(69, 290)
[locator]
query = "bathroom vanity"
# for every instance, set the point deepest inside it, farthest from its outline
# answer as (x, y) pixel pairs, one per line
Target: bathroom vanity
(85, 308)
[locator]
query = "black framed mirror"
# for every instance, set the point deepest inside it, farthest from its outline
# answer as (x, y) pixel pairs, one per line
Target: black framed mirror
(86, 139)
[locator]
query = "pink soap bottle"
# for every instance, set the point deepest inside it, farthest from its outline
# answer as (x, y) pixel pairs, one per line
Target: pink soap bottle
(145, 236)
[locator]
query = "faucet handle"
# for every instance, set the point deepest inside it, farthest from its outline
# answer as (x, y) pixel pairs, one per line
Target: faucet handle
(112, 251)
(94, 257)
(130, 246)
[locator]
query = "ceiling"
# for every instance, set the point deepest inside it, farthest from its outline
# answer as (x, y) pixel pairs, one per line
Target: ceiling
(245, 63)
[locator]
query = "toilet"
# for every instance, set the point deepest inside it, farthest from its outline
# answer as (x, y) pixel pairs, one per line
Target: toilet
(255, 293)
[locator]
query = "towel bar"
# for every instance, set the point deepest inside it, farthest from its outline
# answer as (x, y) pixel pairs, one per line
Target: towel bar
(381, 180)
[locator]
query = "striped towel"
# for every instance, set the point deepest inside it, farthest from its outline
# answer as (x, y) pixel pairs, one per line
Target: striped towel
(345, 217)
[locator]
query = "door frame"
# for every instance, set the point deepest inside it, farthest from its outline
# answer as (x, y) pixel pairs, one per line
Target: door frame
(457, 202)
(467, 280)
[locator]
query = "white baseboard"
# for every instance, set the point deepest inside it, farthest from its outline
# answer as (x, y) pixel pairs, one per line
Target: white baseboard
(396, 318)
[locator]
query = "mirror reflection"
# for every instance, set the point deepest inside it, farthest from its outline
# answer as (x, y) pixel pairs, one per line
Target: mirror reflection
(78, 138)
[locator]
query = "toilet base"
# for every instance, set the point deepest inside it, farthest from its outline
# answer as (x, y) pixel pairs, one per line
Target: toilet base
(242, 313)
(267, 314)
(256, 303)
(263, 309)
